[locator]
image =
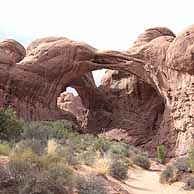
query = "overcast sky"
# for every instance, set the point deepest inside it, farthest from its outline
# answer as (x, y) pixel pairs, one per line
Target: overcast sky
(104, 24)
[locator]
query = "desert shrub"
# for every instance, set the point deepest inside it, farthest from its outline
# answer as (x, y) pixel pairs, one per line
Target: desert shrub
(133, 151)
(88, 157)
(91, 184)
(61, 173)
(102, 145)
(45, 130)
(86, 140)
(43, 183)
(141, 161)
(19, 169)
(181, 165)
(36, 146)
(62, 178)
(119, 169)
(69, 155)
(167, 175)
(176, 171)
(38, 131)
(45, 174)
(189, 183)
(5, 149)
(119, 149)
(27, 155)
(60, 129)
(4, 174)
(161, 154)
(10, 126)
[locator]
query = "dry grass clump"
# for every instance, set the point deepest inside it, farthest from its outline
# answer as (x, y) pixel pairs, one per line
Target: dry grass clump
(102, 166)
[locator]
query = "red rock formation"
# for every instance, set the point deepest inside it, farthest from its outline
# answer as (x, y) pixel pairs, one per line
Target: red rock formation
(137, 109)
(151, 95)
(68, 102)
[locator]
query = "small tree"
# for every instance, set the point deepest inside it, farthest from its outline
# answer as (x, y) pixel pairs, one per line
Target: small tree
(161, 153)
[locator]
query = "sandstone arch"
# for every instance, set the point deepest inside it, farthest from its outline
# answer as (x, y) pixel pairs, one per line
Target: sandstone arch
(31, 83)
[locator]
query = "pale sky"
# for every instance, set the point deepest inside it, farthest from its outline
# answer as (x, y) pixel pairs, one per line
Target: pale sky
(104, 24)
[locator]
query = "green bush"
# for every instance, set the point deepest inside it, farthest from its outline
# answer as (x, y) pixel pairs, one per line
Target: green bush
(189, 183)
(118, 148)
(167, 175)
(5, 149)
(191, 158)
(141, 161)
(119, 169)
(10, 127)
(161, 154)
(91, 184)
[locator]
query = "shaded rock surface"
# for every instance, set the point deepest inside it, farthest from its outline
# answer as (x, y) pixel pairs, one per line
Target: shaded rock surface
(137, 109)
(148, 94)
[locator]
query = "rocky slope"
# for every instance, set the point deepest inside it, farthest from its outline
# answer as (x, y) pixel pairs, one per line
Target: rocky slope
(148, 97)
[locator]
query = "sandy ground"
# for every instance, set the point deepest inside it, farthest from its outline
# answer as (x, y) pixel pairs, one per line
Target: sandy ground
(147, 182)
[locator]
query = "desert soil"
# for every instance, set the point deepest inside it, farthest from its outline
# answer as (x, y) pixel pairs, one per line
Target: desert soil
(147, 182)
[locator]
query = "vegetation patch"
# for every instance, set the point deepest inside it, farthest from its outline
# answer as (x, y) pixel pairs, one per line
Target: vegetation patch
(45, 157)
(119, 170)
(142, 161)
(161, 154)
(91, 184)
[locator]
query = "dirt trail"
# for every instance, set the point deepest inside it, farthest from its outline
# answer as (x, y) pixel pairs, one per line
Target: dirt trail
(147, 182)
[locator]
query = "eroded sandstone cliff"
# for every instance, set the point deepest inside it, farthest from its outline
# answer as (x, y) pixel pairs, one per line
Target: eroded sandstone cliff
(146, 98)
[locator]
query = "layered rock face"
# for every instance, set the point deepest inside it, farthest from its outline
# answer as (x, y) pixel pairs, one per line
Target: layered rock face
(147, 97)
(137, 109)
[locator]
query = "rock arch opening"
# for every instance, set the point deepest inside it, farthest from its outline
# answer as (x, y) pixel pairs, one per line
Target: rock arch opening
(123, 106)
